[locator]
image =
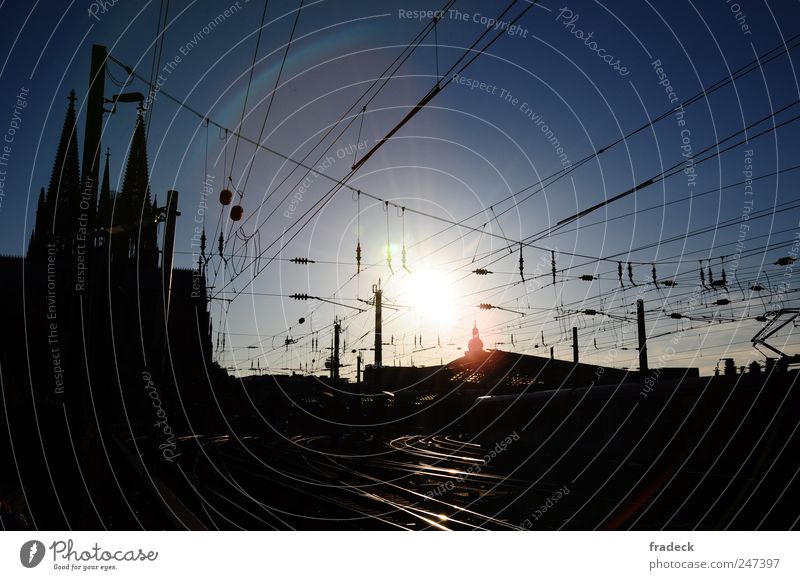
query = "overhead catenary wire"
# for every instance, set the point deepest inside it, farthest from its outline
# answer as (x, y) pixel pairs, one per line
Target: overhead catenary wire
(317, 207)
(158, 49)
(250, 164)
(339, 182)
(380, 82)
(678, 166)
(755, 64)
(362, 120)
(247, 90)
(712, 150)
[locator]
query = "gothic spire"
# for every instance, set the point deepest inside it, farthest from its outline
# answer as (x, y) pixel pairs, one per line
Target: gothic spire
(63, 191)
(55, 211)
(41, 229)
(134, 216)
(134, 199)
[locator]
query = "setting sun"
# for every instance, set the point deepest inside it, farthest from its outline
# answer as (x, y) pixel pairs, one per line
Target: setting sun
(430, 295)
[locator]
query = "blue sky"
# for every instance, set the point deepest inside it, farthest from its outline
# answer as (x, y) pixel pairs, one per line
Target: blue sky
(466, 151)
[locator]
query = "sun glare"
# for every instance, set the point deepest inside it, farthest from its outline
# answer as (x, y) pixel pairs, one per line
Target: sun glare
(430, 295)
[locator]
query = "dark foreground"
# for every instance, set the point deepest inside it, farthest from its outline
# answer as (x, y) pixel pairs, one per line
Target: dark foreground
(699, 454)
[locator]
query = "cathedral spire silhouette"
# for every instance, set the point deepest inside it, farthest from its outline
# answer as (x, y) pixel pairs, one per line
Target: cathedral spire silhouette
(57, 211)
(134, 217)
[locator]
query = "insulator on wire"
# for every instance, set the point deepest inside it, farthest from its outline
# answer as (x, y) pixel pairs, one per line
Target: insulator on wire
(669, 283)
(221, 244)
(388, 241)
(299, 296)
(358, 257)
(724, 278)
(702, 276)
(302, 261)
(619, 274)
(785, 261)
(710, 275)
(521, 264)
(553, 265)
(630, 274)
(590, 312)
(655, 279)
(722, 302)
(225, 196)
(481, 272)
(484, 306)
(587, 277)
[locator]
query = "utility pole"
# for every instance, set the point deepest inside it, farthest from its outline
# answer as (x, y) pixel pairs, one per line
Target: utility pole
(575, 343)
(94, 124)
(337, 328)
(376, 289)
(82, 309)
(642, 336)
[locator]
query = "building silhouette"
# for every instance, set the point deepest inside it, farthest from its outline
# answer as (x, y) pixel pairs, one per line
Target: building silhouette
(475, 345)
(85, 321)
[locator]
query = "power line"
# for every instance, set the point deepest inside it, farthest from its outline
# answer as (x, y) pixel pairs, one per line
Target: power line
(274, 90)
(755, 64)
(249, 84)
(314, 209)
(390, 70)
